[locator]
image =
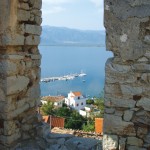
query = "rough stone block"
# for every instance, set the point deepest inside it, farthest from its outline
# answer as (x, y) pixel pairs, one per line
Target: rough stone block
(14, 86)
(142, 117)
(135, 148)
(38, 4)
(23, 15)
(134, 141)
(131, 90)
(24, 6)
(8, 67)
(128, 114)
(115, 125)
(2, 95)
(144, 103)
(32, 40)
(116, 102)
(110, 142)
(38, 20)
(122, 143)
(15, 39)
(109, 110)
(141, 132)
(33, 29)
(9, 127)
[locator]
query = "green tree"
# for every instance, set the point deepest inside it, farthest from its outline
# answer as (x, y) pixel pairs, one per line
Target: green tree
(90, 126)
(47, 109)
(63, 112)
(89, 101)
(99, 102)
(75, 121)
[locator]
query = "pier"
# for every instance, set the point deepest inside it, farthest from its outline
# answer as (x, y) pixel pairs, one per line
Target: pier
(65, 77)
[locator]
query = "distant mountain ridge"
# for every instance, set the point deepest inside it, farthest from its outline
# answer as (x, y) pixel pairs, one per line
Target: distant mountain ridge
(66, 36)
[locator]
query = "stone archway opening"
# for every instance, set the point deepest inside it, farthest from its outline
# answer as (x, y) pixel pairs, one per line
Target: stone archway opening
(127, 117)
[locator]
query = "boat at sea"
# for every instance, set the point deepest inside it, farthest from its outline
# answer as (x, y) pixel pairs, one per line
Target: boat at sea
(65, 77)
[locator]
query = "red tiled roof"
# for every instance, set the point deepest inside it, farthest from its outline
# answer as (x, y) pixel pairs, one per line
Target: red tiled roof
(53, 98)
(55, 121)
(77, 93)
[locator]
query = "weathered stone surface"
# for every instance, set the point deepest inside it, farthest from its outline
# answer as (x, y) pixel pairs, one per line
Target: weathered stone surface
(122, 143)
(13, 39)
(9, 127)
(127, 49)
(115, 125)
(14, 86)
(78, 143)
(128, 114)
(24, 6)
(38, 4)
(110, 142)
(147, 139)
(131, 90)
(119, 73)
(134, 141)
(147, 39)
(33, 29)
(2, 95)
(32, 40)
(135, 148)
(142, 117)
(142, 67)
(8, 67)
(124, 103)
(9, 139)
(119, 113)
(109, 110)
(141, 132)
(23, 15)
(113, 88)
(144, 103)
(127, 81)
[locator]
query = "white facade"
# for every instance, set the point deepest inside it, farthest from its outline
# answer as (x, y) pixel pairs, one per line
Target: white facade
(75, 100)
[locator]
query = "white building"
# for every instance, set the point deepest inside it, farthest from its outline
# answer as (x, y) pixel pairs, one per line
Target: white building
(88, 110)
(57, 100)
(76, 100)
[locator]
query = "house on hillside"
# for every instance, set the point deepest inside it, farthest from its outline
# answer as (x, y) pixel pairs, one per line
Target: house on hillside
(76, 100)
(54, 121)
(57, 100)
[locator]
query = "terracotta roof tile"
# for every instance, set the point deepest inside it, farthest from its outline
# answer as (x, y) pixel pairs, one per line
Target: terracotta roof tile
(77, 93)
(53, 98)
(55, 121)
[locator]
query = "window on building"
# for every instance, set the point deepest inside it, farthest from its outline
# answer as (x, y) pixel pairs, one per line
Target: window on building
(81, 103)
(78, 97)
(77, 105)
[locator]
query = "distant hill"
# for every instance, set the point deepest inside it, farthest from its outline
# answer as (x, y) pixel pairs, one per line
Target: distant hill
(66, 36)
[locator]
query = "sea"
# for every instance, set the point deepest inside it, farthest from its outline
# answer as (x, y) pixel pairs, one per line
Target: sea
(65, 60)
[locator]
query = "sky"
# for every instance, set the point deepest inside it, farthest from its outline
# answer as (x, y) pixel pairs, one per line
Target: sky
(78, 14)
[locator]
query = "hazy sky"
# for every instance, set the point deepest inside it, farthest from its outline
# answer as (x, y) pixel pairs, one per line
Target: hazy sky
(80, 14)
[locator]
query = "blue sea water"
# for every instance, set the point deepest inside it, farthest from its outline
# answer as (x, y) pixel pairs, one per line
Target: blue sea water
(63, 60)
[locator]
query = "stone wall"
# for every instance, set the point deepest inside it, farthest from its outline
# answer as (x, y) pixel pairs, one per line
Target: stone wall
(127, 90)
(19, 70)
(127, 84)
